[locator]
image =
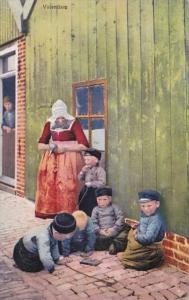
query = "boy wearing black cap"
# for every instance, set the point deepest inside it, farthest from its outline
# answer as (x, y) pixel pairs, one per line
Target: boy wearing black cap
(93, 176)
(108, 220)
(38, 249)
(144, 250)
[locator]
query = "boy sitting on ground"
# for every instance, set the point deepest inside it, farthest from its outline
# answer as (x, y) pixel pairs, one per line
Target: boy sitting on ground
(109, 225)
(144, 249)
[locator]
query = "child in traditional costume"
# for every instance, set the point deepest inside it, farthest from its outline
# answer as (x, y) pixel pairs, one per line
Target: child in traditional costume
(62, 141)
(84, 237)
(109, 225)
(144, 248)
(9, 115)
(38, 249)
(93, 176)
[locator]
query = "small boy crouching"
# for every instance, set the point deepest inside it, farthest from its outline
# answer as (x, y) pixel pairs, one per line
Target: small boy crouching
(109, 225)
(38, 249)
(144, 250)
(84, 237)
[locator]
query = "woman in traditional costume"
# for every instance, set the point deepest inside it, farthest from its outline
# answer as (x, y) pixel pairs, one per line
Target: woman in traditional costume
(62, 141)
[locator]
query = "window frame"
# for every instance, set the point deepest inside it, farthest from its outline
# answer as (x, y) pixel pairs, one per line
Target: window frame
(88, 84)
(6, 51)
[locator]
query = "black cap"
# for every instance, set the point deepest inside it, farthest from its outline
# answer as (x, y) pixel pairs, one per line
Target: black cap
(103, 191)
(93, 152)
(64, 223)
(149, 195)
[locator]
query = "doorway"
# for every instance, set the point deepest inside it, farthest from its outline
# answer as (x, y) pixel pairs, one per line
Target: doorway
(7, 115)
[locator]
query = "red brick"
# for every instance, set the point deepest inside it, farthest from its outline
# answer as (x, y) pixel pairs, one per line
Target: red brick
(182, 257)
(183, 267)
(170, 244)
(21, 90)
(171, 261)
(184, 249)
(169, 252)
(170, 236)
(180, 239)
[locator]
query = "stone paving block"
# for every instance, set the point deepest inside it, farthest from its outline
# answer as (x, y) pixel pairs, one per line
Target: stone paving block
(178, 291)
(78, 276)
(131, 298)
(80, 288)
(82, 295)
(168, 295)
(185, 279)
(92, 291)
(146, 297)
(184, 287)
(100, 283)
(118, 286)
(158, 296)
(125, 292)
(66, 293)
(157, 287)
(137, 289)
(172, 281)
(48, 295)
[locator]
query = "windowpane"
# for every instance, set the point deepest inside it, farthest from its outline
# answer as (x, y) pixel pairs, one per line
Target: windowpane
(8, 63)
(98, 134)
(82, 101)
(85, 126)
(97, 100)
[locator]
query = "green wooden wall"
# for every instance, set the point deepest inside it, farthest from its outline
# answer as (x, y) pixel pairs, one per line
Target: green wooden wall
(142, 49)
(8, 28)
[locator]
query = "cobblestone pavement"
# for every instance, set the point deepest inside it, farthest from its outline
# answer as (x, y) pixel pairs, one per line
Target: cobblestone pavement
(107, 281)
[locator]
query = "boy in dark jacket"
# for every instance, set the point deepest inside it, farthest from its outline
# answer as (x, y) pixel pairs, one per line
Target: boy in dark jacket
(144, 249)
(38, 249)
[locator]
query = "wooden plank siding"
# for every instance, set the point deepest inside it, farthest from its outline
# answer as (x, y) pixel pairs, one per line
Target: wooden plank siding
(124, 182)
(139, 47)
(187, 78)
(178, 114)
(162, 101)
(148, 95)
(135, 113)
(112, 145)
(8, 28)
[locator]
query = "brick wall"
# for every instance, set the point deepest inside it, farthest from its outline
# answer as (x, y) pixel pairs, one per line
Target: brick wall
(176, 249)
(21, 108)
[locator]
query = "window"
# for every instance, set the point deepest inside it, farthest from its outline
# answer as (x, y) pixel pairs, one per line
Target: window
(90, 105)
(8, 63)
